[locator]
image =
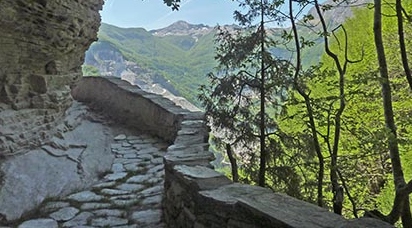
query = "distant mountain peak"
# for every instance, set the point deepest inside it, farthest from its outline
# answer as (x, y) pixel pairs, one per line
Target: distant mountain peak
(184, 25)
(182, 28)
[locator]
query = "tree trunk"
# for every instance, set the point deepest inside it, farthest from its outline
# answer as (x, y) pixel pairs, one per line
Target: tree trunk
(262, 165)
(342, 71)
(316, 145)
(309, 109)
(233, 163)
(397, 171)
(338, 200)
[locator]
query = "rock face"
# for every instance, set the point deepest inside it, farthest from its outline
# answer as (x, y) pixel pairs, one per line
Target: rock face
(73, 160)
(42, 46)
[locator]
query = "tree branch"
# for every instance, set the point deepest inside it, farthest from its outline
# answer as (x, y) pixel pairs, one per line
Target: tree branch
(402, 45)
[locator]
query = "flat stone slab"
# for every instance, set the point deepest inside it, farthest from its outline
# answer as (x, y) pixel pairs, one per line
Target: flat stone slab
(126, 203)
(130, 187)
(155, 180)
(125, 151)
(127, 197)
(156, 199)
(64, 214)
(113, 192)
(115, 176)
(157, 161)
(147, 217)
(142, 145)
(34, 174)
(126, 144)
(152, 191)
(279, 209)
(160, 174)
(145, 157)
(138, 179)
(104, 185)
(133, 167)
(126, 161)
(117, 168)
(197, 171)
(109, 212)
(49, 223)
(148, 150)
(130, 156)
(116, 145)
(85, 196)
(94, 206)
(156, 169)
(54, 205)
(120, 137)
(109, 221)
(135, 141)
(79, 221)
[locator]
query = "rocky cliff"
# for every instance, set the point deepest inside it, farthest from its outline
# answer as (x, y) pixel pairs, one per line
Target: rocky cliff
(42, 45)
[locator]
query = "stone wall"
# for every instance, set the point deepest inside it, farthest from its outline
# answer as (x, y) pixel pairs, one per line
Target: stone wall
(195, 194)
(42, 46)
(132, 106)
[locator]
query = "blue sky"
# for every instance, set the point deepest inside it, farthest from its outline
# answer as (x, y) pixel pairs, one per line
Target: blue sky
(153, 14)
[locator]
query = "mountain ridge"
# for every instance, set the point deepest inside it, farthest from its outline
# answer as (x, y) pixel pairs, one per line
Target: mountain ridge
(182, 28)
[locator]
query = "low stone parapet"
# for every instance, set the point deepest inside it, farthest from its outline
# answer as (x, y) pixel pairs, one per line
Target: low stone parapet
(131, 105)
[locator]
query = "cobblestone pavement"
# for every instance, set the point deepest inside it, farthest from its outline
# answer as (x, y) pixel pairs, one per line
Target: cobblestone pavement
(128, 196)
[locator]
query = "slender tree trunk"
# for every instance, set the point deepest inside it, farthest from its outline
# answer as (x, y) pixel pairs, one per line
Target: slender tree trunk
(336, 188)
(402, 45)
(263, 155)
(312, 126)
(388, 112)
(233, 163)
(338, 200)
(309, 109)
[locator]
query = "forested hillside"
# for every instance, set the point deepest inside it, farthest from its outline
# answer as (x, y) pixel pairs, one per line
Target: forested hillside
(179, 55)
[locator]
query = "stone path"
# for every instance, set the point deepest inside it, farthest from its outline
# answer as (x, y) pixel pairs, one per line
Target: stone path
(128, 196)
